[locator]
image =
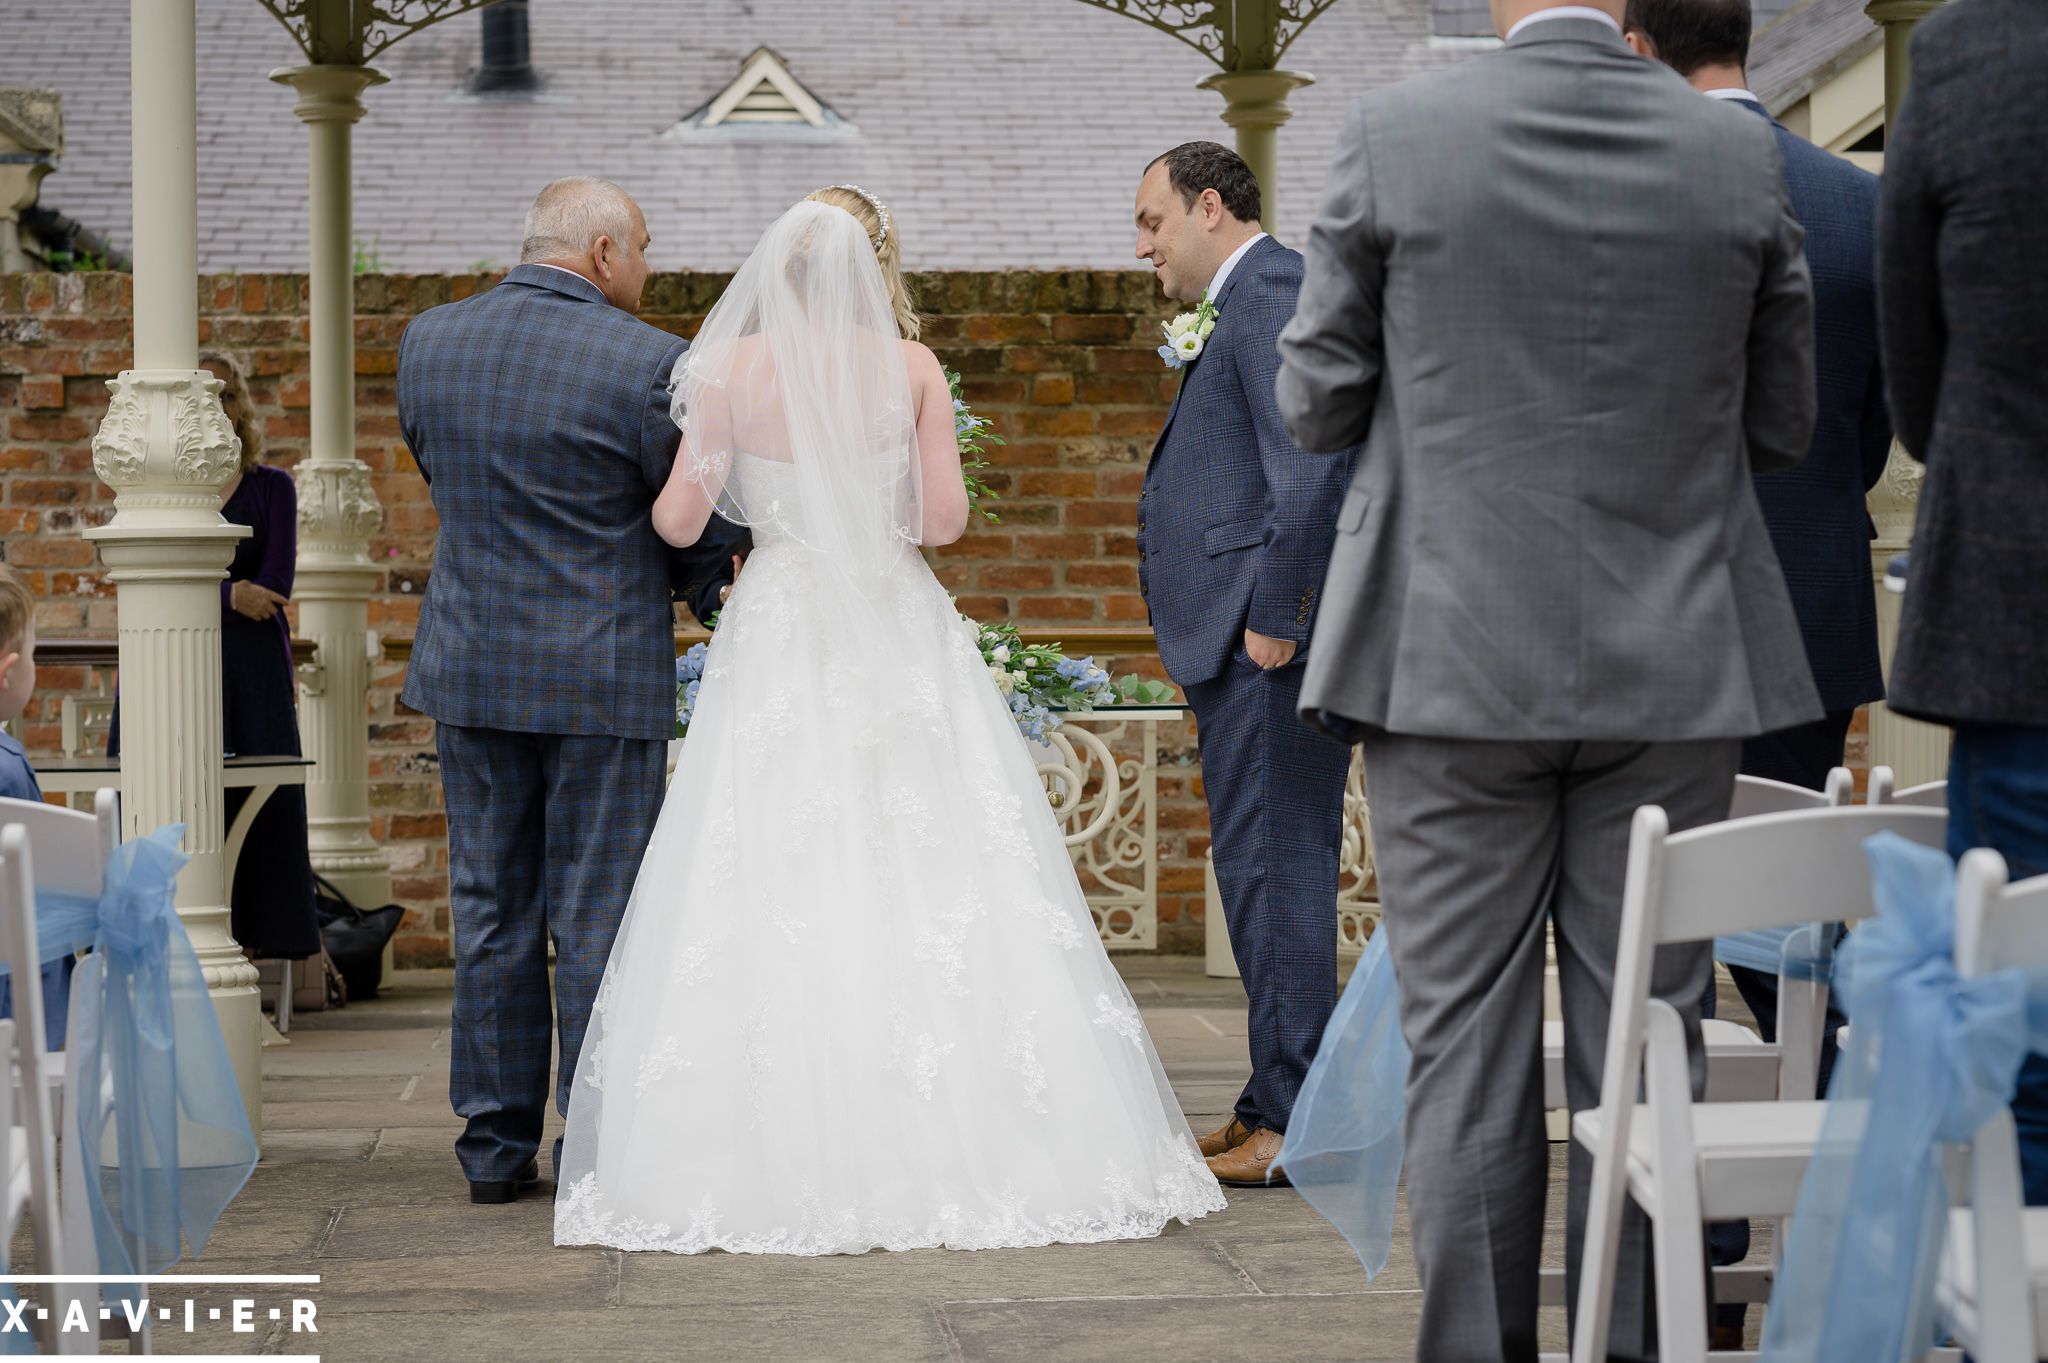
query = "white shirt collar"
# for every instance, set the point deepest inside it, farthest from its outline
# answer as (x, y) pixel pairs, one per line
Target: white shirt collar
(1223, 272)
(1734, 93)
(1563, 12)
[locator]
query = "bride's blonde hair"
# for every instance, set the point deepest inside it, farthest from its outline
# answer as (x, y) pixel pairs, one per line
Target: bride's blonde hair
(887, 250)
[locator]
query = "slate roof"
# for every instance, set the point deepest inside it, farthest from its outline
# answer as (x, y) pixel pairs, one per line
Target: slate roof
(1812, 42)
(1004, 133)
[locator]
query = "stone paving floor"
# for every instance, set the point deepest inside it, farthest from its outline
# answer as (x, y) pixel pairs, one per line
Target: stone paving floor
(359, 1184)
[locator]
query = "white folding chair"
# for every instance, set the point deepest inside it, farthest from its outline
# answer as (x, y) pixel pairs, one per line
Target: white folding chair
(1993, 1288)
(1685, 1163)
(33, 1099)
(1884, 791)
(71, 849)
(1741, 1066)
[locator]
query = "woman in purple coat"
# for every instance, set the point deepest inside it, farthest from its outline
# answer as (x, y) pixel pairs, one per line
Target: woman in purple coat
(272, 897)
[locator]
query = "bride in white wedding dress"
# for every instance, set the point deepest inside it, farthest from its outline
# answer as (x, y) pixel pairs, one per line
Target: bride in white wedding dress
(857, 1000)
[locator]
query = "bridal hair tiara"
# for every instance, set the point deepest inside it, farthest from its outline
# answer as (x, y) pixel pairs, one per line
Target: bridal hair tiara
(881, 211)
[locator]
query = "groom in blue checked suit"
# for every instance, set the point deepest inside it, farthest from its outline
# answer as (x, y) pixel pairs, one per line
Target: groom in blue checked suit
(1235, 528)
(538, 413)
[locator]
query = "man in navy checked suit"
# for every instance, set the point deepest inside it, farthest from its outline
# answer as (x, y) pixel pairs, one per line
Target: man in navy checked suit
(1235, 527)
(539, 415)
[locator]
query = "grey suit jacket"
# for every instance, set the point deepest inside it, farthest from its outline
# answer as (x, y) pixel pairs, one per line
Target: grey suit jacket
(1562, 300)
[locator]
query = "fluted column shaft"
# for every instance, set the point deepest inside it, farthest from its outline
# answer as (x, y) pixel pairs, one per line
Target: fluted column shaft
(338, 509)
(166, 449)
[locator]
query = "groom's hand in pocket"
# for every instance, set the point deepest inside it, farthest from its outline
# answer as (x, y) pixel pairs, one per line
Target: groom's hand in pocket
(1267, 651)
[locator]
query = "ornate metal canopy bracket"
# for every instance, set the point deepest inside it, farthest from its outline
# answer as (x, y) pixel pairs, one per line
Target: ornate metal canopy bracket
(352, 32)
(1237, 35)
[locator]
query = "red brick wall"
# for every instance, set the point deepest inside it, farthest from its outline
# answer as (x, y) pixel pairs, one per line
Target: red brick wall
(1063, 362)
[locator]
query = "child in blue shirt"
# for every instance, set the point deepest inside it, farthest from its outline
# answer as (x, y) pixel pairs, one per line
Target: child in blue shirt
(18, 778)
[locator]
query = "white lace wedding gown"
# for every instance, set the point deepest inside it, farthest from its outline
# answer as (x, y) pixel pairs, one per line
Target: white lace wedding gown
(858, 1000)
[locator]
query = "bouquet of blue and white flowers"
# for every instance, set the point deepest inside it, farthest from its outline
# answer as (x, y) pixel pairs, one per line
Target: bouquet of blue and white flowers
(1039, 682)
(689, 678)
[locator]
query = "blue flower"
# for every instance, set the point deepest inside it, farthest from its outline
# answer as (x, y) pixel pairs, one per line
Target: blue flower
(1173, 360)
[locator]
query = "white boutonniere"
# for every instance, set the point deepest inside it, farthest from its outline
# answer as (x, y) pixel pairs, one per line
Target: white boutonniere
(1187, 334)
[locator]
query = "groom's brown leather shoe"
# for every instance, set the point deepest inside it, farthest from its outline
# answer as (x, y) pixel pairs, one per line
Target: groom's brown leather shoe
(1249, 1164)
(1228, 1136)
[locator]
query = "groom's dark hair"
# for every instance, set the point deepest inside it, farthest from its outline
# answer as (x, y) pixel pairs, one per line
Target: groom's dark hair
(1689, 34)
(1193, 167)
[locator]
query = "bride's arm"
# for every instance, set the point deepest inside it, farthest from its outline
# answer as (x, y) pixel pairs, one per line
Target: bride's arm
(683, 507)
(682, 510)
(942, 493)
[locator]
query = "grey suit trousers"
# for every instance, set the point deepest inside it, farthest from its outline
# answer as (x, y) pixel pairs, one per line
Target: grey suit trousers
(1479, 845)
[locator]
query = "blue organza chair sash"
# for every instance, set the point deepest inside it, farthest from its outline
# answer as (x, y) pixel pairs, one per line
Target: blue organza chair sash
(1344, 1142)
(155, 1108)
(1802, 953)
(1930, 1057)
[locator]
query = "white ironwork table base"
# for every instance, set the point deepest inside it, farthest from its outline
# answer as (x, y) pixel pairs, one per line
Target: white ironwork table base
(1108, 799)
(260, 776)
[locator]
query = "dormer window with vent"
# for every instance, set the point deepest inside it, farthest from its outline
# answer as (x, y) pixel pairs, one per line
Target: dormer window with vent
(765, 100)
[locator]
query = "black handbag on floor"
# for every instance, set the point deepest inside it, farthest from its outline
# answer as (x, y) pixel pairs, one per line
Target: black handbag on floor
(354, 937)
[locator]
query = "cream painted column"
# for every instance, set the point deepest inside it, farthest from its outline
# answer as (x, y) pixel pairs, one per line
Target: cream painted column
(1897, 18)
(1917, 752)
(1255, 104)
(338, 510)
(166, 449)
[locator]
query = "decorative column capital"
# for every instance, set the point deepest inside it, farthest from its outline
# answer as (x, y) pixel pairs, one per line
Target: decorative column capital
(1256, 99)
(1895, 502)
(1900, 11)
(166, 449)
(329, 94)
(337, 502)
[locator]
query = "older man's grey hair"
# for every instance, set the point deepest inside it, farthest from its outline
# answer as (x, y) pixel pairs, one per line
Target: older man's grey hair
(572, 213)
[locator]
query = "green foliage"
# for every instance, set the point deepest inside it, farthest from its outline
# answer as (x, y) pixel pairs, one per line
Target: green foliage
(976, 435)
(1134, 690)
(368, 258)
(81, 262)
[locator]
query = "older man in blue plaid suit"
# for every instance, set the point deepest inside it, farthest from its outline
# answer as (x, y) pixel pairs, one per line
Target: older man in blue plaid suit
(539, 414)
(1235, 528)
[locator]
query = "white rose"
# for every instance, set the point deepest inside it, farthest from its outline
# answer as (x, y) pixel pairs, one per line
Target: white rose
(1003, 682)
(1188, 347)
(1208, 327)
(1001, 653)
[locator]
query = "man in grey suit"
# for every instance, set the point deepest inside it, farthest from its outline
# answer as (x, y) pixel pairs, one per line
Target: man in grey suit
(1562, 300)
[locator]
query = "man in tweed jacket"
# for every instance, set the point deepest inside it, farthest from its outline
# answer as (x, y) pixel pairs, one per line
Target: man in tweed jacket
(1963, 311)
(1234, 531)
(539, 415)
